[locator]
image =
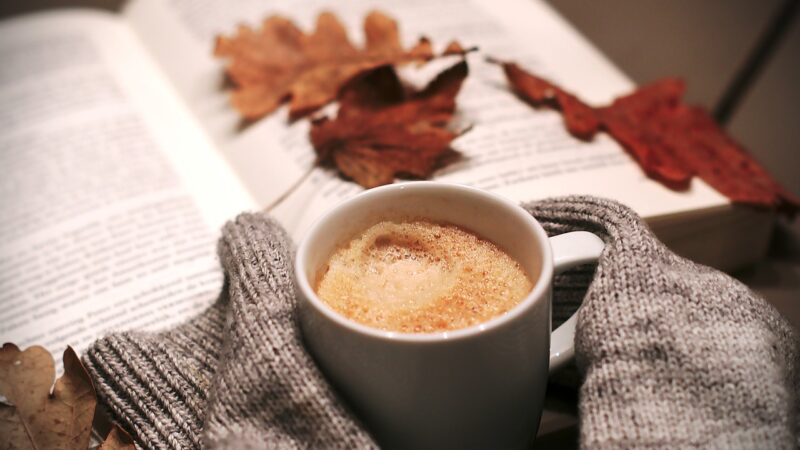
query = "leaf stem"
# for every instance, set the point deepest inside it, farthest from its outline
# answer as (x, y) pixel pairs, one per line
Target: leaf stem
(291, 190)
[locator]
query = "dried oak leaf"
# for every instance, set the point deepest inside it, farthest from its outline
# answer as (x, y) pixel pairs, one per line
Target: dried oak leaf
(277, 62)
(671, 141)
(117, 439)
(383, 130)
(37, 418)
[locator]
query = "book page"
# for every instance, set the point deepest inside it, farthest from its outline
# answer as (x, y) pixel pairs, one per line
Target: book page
(101, 226)
(513, 150)
(264, 154)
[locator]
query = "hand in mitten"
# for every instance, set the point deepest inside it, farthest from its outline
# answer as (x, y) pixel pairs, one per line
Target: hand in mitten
(237, 376)
(674, 354)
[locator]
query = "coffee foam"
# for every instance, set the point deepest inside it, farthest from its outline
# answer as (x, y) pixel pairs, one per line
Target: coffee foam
(419, 276)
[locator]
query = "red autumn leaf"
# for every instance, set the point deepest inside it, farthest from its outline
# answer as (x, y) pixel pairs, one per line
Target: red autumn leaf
(642, 124)
(278, 62)
(579, 118)
(382, 130)
(671, 141)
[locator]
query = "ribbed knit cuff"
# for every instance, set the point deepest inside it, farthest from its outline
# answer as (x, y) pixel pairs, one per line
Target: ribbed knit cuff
(156, 385)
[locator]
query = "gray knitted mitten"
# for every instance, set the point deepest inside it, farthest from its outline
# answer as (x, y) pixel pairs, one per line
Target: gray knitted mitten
(235, 377)
(674, 354)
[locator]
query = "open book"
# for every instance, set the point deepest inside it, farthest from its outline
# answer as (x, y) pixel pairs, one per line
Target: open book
(122, 158)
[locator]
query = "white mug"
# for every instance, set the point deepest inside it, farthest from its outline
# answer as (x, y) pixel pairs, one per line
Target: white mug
(477, 387)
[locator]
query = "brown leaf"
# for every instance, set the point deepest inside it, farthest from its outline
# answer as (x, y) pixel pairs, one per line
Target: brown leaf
(278, 62)
(671, 141)
(641, 124)
(117, 439)
(580, 119)
(39, 419)
(382, 130)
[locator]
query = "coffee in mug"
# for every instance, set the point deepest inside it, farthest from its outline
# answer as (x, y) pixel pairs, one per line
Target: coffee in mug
(474, 387)
(418, 276)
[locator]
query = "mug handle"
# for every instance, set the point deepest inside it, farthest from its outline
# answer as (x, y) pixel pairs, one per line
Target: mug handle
(570, 250)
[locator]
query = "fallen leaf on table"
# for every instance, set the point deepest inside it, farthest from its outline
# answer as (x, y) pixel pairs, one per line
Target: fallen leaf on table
(36, 418)
(278, 62)
(117, 439)
(671, 141)
(383, 130)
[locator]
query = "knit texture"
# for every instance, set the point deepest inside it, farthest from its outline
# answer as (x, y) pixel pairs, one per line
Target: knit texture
(236, 377)
(673, 354)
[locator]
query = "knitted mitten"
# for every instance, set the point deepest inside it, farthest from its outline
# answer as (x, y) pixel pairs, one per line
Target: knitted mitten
(235, 377)
(674, 354)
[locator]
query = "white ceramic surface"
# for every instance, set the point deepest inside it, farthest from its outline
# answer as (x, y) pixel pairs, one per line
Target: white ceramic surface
(478, 387)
